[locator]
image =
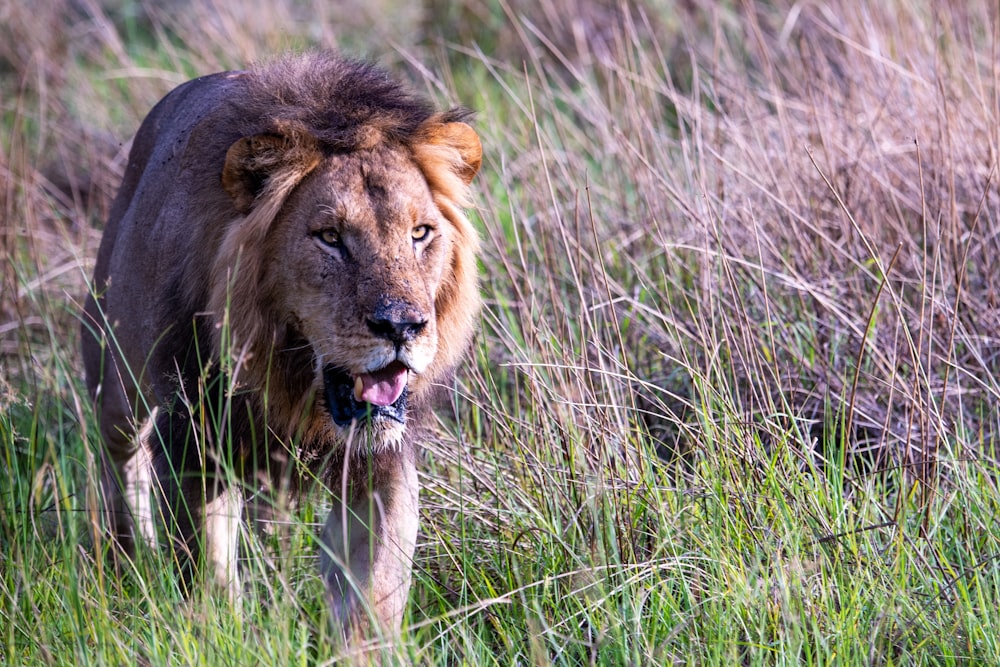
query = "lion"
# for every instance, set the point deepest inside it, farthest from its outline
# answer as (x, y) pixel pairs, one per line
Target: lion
(285, 276)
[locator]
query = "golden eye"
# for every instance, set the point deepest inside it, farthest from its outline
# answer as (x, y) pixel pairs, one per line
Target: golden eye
(421, 232)
(329, 237)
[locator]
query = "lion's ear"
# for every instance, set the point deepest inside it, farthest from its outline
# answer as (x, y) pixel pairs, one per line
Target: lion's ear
(459, 137)
(252, 163)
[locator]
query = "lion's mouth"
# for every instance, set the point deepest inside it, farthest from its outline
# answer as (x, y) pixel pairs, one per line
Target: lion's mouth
(380, 394)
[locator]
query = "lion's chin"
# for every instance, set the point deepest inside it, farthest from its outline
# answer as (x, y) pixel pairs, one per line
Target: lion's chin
(344, 408)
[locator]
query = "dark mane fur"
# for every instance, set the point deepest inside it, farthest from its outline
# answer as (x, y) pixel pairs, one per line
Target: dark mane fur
(345, 104)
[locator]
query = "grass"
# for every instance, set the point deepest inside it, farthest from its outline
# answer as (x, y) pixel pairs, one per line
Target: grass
(734, 396)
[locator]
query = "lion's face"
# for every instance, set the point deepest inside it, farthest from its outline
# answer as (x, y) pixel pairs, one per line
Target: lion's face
(356, 261)
(365, 259)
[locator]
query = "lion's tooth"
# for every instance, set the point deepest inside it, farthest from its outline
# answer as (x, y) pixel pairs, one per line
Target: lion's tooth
(359, 388)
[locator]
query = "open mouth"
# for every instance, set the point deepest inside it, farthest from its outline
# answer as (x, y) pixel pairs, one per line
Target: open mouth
(376, 395)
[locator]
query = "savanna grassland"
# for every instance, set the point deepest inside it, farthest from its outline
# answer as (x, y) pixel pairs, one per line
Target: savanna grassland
(734, 398)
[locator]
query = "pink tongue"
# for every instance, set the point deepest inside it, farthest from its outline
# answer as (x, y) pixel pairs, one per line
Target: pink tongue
(384, 386)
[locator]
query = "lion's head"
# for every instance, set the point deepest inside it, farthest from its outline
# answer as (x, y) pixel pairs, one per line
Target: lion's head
(348, 274)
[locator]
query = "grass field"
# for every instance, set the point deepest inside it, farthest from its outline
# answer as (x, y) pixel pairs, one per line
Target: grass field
(734, 398)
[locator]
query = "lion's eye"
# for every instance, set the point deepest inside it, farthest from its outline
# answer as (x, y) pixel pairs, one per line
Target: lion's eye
(421, 232)
(329, 237)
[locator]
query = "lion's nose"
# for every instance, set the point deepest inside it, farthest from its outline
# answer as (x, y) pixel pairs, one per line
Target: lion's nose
(397, 321)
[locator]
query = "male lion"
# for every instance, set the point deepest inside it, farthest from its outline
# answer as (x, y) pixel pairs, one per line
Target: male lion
(285, 275)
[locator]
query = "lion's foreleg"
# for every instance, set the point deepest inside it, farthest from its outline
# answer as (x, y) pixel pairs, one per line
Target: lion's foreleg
(121, 461)
(137, 481)
(204, 523)
(114, 508)
(126, 492)
(367, 546)
(202, 504)
(223, 521)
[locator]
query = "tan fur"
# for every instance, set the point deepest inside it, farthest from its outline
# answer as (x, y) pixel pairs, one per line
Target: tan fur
(281, 233)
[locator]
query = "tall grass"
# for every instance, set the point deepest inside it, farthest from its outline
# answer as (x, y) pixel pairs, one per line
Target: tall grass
(734, 396)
